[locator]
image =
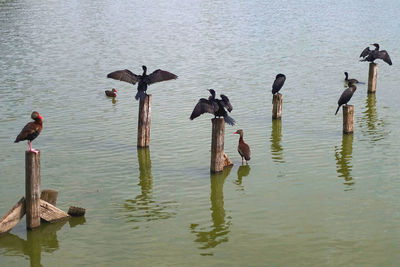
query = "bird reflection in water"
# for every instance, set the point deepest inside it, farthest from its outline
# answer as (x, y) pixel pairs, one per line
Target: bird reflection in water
(243, 170)
(343, 155)
(370, 124)
(217, 233)
(143, 207)
(42, 239)
(276, 137)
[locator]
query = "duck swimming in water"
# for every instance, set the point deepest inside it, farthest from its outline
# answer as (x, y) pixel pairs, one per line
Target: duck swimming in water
(111, 93)
(347, 80)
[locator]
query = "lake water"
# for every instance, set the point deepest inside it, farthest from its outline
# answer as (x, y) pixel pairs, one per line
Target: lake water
(309, 195)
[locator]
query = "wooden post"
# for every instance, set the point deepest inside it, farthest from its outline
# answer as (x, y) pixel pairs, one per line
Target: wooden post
(12, 217)
(144, 121)
(277, 106)
(348, 119)
(217, 145)
(49, 196)
(372, 76)
(32, 189)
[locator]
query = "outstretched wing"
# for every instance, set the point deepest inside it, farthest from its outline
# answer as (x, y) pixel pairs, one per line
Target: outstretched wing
(124, 75)
(204, 106)
(160, 75)
(365, 52)
(226, 103)
(383, 54)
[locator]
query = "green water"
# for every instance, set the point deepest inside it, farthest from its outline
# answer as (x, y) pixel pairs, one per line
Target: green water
(309, 196)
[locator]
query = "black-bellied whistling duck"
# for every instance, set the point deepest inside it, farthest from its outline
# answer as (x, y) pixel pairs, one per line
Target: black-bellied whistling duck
(278, 83)
(214, 106)
(347, 80)
(111, 93)
(243, 148)
(31, 130)
(346, 96)
(144, 79)
(371, 55)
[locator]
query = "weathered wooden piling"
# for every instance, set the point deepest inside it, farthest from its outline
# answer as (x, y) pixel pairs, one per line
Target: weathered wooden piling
(217, 145)
(348, 119)
(49, 196)
(32, 189)
(372, 76)
(144, 121)
(277, 106)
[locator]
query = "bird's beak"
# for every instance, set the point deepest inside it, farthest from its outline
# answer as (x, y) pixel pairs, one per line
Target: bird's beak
(116, 90)
(235, 133)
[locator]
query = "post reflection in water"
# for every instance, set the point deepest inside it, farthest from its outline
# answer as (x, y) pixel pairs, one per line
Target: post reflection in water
(243, 171)
(143, 207)
(343, 157)
(370, 123)
(43, 239)
(276, 137)
(210, 238)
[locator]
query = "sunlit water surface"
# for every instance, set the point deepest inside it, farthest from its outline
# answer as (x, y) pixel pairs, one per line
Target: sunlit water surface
(309, 195)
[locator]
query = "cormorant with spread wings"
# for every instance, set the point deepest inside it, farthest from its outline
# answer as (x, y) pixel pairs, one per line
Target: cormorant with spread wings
(214, 106)
(143, 80)
(371, 55)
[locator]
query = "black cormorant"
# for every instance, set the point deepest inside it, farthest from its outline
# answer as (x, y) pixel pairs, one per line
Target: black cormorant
(144, 79)
(278, 83)
(347, 80)
(346, 96)
(371, 55)
(214, 106)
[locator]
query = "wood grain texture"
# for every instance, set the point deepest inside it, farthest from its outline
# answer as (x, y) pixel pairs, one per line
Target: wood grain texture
(144, 121)
(217, 145)
(50, 213)
(372, 77)
(348, 119)
(13, 216)
(32, 189)
(50, 196)
(277, 106)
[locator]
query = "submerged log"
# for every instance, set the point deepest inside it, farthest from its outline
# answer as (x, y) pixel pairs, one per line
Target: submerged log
(13, 216)
(76, 211)
(50, 213)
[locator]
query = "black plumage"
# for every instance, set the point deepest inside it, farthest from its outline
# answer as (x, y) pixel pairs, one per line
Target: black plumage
(278, 83)
(347, 80)
(371, 55)
(214, 106)
(143, 80)
(346, 96)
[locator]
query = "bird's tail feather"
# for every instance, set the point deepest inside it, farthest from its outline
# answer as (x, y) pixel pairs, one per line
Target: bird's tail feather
(140, 94)
(229, 120)
(337, 110)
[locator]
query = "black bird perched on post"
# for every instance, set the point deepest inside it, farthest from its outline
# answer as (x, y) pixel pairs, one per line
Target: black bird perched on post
(214, 106)
(347, 80)
(278, 83)
(346, 96)
(31, 130)
(144, 79)
(371, 55)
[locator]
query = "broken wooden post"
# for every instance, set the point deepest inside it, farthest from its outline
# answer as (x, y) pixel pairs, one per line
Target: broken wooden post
(144, 121)
(13, 216)
(76, 211)
(50, 213)
(277, 106)
(32, 189)
(217, 145)
(372, 76)
(348, 119)
(49, 196)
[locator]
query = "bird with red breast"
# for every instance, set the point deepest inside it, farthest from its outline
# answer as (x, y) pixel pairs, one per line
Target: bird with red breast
(31, 130)
(243, 148)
